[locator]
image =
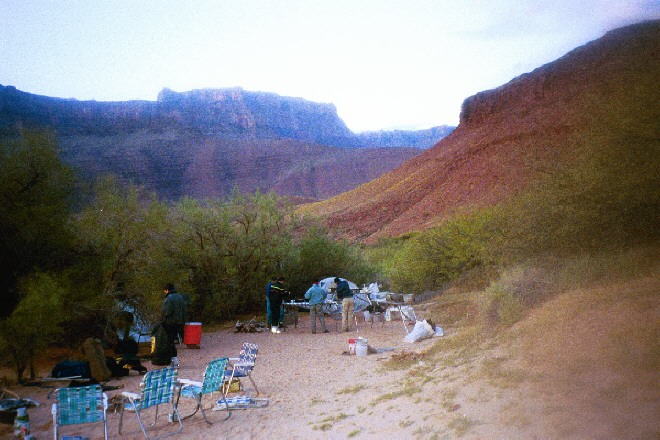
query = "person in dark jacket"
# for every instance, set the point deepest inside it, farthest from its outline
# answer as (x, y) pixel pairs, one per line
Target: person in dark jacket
(268, 286)
(345, 295)
(277, 295)
(173, 316)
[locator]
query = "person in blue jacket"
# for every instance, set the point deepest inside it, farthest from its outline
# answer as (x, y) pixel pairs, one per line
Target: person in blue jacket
(316, 297)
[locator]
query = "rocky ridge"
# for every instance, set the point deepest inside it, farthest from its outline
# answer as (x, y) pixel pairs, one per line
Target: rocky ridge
(513, 135)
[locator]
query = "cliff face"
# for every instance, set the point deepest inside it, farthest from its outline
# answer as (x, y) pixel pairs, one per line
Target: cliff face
(220, 113)
(604, 91)
(401, 138)
(204, 143)
(240, 114)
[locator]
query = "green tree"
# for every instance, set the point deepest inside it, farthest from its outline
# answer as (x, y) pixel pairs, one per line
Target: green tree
(119, 236)
(228, 249)
(34, 322)
(36, 193)
(317, 255)
(431, 258)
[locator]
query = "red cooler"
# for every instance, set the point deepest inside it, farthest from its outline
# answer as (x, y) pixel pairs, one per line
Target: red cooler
(192, 334)
(351, 346)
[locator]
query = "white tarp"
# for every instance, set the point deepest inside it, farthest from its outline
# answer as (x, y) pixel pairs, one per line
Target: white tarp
(328, 283)
(361, 299)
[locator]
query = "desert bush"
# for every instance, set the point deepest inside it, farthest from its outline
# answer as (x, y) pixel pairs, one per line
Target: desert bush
(606, 200)
(228, 249)
(431, 258)
(36, 190)
(502, 307)
(316, 255)
(517, 289)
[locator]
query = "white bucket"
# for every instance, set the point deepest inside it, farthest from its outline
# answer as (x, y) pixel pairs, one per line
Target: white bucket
(361, 346)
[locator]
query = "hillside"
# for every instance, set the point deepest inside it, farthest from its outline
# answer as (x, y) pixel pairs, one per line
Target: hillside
(204, 143)
(603, 92)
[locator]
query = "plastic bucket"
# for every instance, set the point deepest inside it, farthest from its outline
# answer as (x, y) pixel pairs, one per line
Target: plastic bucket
(361, 347)
(351, 346)
(192, 334)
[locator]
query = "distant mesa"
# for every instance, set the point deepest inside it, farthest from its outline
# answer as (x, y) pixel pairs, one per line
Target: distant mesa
(228, 113)
(203, 143)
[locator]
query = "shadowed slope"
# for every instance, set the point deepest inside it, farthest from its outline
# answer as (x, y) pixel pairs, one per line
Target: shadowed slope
(603, 92)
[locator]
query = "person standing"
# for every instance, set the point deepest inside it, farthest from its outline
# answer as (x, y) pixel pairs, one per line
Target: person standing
(316, 296)
(345, 294)
(277, 294)
(272, 281)
(173, 316)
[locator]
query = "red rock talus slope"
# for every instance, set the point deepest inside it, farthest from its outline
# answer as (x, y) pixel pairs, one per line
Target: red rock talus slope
(509, 136)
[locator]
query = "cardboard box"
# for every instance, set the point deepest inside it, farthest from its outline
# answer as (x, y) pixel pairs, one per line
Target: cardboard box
(234, 386)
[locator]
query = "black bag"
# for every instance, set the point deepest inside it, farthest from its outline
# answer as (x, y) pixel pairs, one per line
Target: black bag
(114, 367)
(126, 346)
(131, 362)
(162, 347)
(71, 368)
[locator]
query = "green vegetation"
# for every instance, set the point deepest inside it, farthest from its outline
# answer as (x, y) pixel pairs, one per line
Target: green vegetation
(316, 255)
(606, 201)
(82, 254)
(352, 390)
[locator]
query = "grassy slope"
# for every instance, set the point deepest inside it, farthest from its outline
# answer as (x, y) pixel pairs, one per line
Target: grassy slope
(602, 93)
(583, 364)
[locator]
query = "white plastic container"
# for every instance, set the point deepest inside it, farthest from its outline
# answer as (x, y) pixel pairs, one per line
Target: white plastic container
(361, 347)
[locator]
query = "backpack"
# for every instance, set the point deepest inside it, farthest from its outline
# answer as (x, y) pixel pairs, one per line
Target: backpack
(71, 368)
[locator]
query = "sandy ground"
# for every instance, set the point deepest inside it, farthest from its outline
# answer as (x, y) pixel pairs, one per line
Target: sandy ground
(584, 366)
(314, 389)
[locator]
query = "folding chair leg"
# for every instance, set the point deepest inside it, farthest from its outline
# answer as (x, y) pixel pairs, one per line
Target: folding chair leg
(253, 384)
(197, 406)
(121, 417)
(204, 412)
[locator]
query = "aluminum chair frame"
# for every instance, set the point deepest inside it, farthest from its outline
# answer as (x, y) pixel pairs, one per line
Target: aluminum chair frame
(78, 405)
(214, 380)
(243, 365)
(158, 387)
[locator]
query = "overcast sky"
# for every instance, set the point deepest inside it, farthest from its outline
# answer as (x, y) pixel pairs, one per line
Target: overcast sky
(384, 64)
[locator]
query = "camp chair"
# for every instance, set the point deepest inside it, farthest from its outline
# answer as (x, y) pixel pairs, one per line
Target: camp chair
(156, 389)
(214, 379)
(243, 365)
(79, 405)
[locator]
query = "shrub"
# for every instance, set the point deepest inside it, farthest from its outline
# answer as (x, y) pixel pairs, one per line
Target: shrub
(34, 322)
(503, 308)
(517, 289)
(431, 258)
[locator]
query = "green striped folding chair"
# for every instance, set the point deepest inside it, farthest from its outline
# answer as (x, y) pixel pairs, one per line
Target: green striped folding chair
(79, 405)
(214, 379)
(157, 388)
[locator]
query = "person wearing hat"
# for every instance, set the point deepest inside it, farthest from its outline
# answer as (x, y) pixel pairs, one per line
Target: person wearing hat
(345, 294)
(316, 297)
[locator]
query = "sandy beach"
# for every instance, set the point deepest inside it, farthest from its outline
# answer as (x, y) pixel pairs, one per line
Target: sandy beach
(315, 389)
(535, 381)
